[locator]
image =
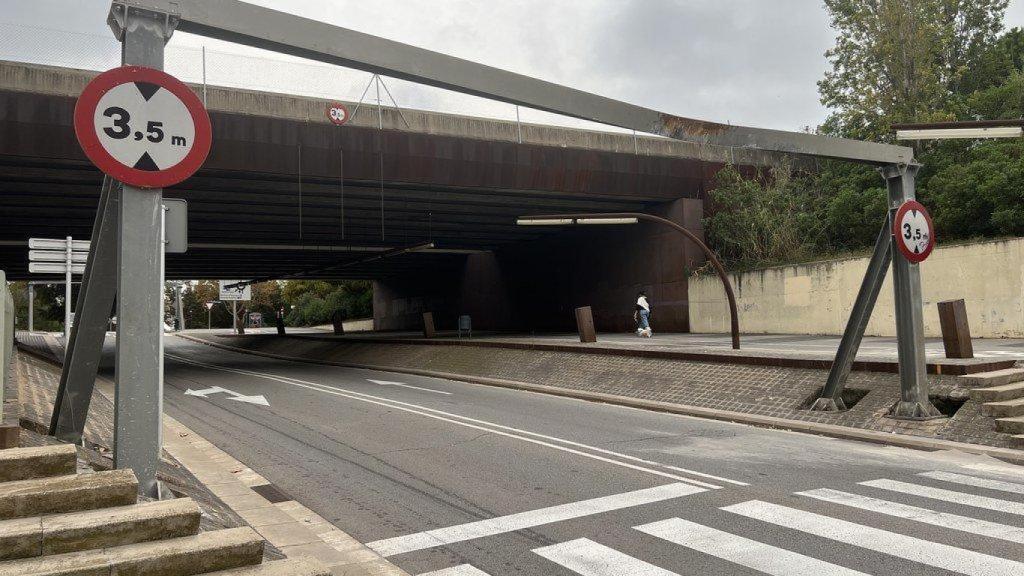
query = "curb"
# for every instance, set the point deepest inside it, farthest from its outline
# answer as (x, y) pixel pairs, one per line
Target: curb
(831, 430)
(949, 367)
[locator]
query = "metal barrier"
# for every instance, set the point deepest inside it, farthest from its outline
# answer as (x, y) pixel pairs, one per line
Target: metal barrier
(6, 334)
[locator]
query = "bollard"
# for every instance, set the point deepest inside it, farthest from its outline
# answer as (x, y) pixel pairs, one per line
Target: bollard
(280, 322)
(338, 319)
(956, 333)
(585, 324)
(428, 325)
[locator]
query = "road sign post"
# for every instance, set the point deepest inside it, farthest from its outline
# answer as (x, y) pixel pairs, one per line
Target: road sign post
(58, 256)
(147, 130)
(906, 239)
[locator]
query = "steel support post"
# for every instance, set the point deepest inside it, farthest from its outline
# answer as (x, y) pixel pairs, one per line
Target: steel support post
(179, 312)
(914, 403)
(140, 252)
(31, 307)
(95, 300)
(832, 395)
(68, 251)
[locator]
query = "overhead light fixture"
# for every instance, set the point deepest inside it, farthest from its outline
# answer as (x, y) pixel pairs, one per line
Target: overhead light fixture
(606, 220)
(960, 133)
(544, 221)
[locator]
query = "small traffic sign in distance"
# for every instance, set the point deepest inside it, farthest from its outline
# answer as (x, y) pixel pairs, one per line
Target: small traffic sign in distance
(142, 126)
(337, 113)
(914, 231)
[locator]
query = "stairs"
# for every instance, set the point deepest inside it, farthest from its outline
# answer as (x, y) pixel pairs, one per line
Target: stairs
(1001, 394)
(56, 522)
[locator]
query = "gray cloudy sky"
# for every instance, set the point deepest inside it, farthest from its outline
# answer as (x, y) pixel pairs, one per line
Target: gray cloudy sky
(752, 62)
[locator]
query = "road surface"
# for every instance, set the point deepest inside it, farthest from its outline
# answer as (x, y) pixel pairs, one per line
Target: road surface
(455, 479)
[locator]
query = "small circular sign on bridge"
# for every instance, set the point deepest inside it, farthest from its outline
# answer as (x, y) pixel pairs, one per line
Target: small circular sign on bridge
(337, 113)
(914, 231)
(142, 127)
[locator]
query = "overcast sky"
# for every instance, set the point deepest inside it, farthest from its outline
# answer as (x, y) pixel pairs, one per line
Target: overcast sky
(750, 62)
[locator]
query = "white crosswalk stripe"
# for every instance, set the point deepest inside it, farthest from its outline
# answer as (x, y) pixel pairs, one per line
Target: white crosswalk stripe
(914, 549)
(923, 515)
(742, 551)
(589, 558)
(999, 485)
(530, 519)
(953, 496)
(460, 570)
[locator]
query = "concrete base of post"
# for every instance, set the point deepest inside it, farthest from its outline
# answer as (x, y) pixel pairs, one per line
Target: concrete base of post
(585, 325)
(904, 410)
(828, 405)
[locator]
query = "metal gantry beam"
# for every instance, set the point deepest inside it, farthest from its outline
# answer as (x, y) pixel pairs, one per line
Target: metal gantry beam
(243, 23)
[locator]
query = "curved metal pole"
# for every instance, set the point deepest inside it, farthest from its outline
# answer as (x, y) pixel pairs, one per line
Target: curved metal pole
(707, 252)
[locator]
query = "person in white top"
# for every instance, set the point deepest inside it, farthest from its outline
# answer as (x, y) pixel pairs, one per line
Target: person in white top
(643, 310)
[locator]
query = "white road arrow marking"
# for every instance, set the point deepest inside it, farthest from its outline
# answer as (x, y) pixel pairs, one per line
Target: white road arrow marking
(258, 399)
(390, 383)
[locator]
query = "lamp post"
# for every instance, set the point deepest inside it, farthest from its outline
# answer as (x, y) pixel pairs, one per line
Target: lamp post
(633, 218)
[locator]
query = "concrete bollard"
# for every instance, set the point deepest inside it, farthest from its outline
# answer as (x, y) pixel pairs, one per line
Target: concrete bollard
(428, 325)
(956, 334)
(585, 324)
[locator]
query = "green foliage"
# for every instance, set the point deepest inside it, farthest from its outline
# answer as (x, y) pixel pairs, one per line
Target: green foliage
(904, 61)
(314, 302)
(762, 220)
(983, 195)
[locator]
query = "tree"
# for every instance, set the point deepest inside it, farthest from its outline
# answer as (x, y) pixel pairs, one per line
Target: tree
(902, 60)
(314, 302)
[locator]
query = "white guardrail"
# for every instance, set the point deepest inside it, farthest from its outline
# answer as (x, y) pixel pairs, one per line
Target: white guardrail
(6, 334)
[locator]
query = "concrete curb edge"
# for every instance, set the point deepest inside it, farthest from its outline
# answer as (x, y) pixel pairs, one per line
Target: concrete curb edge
(831, 430)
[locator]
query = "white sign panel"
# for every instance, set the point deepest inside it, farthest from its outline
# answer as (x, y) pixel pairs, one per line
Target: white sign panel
(235, 293)
(54, 268)
(56, 256)
(57, 244)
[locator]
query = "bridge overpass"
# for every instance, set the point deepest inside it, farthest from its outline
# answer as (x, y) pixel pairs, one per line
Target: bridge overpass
(286, 192)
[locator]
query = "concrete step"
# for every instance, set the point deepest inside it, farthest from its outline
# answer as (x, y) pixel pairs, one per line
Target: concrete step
(1010, 425)
(1004, 409)
(60, 494)
(62, 533)
(1017, 441)
(36, 462)
(998, 393)
(187, 556)
(995, 377)
(290, 567)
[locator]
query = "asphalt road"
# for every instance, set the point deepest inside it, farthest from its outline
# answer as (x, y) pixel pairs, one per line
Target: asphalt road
(457, 479)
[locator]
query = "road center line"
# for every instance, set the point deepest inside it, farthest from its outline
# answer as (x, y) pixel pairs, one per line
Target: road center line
(423, 411)
(529, 519)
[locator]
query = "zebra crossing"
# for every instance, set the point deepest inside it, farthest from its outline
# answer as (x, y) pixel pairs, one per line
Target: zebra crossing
(588, 557)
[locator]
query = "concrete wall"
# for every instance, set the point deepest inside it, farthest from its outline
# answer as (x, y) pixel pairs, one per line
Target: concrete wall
(816, 298)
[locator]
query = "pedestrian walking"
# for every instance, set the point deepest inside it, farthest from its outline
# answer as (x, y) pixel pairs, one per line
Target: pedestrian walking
(642, 315)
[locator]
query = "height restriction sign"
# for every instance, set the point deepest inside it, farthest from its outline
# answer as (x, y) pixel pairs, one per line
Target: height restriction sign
(142, 126)
(912, 227)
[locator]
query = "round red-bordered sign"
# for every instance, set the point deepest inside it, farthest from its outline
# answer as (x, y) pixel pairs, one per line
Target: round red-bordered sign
(337, 113)
(142, 127)
(913, 231)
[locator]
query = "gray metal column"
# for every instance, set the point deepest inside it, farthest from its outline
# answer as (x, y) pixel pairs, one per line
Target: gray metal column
(179, 309)
(139, 369)
(832, 395)
(914, 403)
(31, 307)
(95, 301)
